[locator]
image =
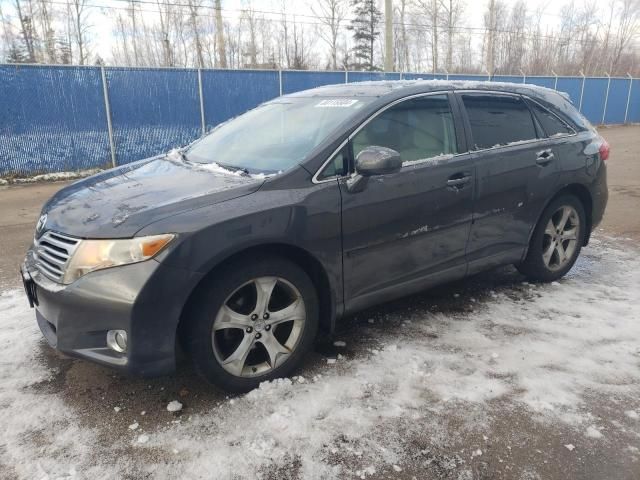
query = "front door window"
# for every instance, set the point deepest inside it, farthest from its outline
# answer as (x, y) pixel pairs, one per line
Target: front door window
(418, 129)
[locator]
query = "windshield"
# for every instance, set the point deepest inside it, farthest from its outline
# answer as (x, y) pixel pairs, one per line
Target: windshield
(274, 136)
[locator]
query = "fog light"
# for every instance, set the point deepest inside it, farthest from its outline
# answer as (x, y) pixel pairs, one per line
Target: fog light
(117, 340)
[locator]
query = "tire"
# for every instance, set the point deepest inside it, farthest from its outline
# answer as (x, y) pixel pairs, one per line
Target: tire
(544, 261)
(230, 345)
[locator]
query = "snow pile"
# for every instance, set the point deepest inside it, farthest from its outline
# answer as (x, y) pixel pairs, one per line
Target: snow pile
(36, 425)
(174, 406)
(52, 177)
(537, 348)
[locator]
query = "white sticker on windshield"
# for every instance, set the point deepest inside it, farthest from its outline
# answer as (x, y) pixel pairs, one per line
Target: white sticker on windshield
(337, 103)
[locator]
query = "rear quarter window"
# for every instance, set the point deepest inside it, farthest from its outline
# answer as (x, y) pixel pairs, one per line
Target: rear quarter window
(498, 120)
(551, 124)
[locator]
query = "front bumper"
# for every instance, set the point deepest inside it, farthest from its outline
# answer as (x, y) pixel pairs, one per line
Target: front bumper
(144, 299)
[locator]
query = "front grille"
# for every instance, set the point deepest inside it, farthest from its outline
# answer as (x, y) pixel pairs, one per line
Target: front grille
(52, 252)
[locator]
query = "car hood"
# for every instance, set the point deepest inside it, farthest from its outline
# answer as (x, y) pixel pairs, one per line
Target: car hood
(119, 202)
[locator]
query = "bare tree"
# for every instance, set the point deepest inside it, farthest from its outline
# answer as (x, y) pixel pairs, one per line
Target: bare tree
(627, 31)
(402, 55)
(48, 33)
(250, 19)
(452, 11)
(164, 11)
(512, 41)
(431, 9)
(493, 19)
(27, 30)
(80, 28)
(221, 49)
(194, 18)
(331, 14)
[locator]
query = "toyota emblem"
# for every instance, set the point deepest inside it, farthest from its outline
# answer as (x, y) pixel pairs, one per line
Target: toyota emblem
(41, 223)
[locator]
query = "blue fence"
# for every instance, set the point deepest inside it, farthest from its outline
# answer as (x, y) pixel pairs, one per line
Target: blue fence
(55, 118)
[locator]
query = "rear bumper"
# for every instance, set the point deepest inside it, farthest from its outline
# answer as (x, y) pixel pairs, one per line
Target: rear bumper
(600, 197)
(144, 299)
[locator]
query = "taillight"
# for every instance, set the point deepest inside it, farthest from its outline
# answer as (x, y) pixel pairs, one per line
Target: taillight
(604, 149)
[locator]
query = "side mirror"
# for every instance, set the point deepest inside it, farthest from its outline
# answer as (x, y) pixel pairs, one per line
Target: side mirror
(373, 160)
(378, 161)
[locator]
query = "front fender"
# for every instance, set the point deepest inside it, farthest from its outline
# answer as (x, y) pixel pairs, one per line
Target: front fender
(308, 219)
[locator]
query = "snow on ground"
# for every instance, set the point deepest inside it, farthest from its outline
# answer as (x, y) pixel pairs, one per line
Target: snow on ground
(51, 177)
(537, 348)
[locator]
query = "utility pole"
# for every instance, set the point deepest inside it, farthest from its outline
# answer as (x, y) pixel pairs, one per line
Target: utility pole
(388, 36)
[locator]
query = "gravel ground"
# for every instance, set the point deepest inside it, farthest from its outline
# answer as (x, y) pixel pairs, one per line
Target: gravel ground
(488, 378)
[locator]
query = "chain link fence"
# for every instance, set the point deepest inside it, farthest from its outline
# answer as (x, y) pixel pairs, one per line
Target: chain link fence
(66, 118)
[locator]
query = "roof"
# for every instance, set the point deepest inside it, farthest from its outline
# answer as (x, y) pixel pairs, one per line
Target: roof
(401, 88)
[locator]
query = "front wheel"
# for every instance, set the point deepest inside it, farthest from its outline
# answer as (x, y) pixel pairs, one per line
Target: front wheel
(556, 241)
(252, 322)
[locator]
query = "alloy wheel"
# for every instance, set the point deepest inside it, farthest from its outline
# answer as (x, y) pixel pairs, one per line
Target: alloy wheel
(258, 327)
(560, 238)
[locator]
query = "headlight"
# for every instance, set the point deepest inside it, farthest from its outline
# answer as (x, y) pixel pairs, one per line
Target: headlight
(93, 255)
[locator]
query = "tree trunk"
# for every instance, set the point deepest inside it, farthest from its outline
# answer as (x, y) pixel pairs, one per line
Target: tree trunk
(222, 51)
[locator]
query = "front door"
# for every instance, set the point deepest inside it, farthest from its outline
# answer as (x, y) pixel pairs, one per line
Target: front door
(405, 227)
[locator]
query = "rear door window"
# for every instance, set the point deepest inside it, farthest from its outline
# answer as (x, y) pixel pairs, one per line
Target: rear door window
(498, 120)
(551, 124)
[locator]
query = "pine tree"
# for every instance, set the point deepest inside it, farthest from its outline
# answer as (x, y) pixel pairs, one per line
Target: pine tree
(365, 31)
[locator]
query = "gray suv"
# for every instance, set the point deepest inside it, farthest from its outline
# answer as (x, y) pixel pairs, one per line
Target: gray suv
(242, 245)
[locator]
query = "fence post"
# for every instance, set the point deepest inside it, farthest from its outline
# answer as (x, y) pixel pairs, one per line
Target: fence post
(107, 107)
(346, 76)
(202, 121)
(401, 74)
(582, 90)
(524, 76)
(626, 110)
(280, 80)
(555, 82)
(606, 97)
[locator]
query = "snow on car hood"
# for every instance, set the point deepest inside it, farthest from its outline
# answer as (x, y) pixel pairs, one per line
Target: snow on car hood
(121, 201)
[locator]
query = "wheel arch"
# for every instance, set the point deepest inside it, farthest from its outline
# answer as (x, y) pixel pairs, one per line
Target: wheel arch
(583, 194)
(301, 257)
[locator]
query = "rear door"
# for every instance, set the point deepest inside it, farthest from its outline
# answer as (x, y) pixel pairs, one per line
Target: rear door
(405, 227)
(515, 173)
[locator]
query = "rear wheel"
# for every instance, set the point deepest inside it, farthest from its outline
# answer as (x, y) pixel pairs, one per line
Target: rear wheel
(556, 241)
(253, 321)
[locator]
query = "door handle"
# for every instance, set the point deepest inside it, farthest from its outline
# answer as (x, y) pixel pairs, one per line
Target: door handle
(458, 180)
(544, 157)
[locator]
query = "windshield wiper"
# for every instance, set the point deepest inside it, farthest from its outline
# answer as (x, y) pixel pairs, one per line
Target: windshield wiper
(183, 155)
(233, 168)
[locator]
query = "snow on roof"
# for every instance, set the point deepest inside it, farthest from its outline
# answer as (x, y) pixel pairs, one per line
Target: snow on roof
(377, 88)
